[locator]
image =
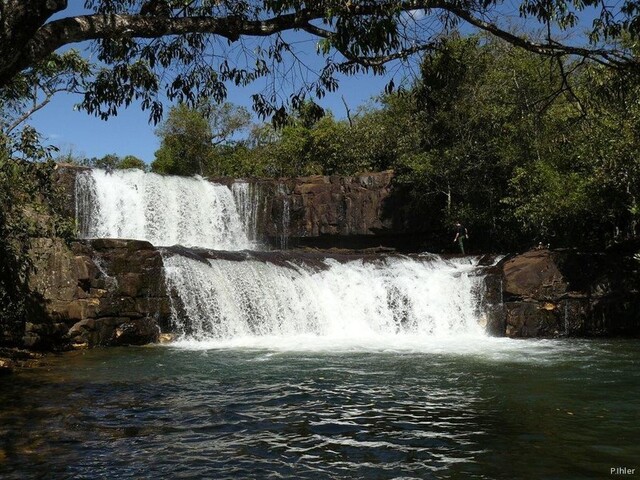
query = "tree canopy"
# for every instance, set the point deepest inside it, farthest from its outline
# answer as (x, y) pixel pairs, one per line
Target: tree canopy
(490, 134)
(186, 50)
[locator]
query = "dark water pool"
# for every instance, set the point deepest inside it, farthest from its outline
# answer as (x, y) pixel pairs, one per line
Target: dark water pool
(497, 409)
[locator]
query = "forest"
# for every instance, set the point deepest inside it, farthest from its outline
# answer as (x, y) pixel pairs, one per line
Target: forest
(520, 147)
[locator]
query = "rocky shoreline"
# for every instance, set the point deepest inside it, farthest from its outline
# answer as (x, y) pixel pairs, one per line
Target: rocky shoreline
(13, 358)
(556, 293)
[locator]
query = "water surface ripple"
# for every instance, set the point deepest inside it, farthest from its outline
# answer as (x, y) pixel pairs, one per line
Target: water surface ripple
(539, 409)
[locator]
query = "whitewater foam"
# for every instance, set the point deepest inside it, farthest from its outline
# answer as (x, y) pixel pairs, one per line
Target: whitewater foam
(164, 210)
(353, 301)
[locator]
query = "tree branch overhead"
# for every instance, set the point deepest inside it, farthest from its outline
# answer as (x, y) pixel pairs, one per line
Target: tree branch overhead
(364, 32)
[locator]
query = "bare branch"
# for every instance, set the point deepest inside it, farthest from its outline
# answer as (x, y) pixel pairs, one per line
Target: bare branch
(37, 106)
(551, 48)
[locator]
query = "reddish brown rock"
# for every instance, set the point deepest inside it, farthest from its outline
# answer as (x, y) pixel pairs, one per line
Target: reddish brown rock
(307, 208)
(550, 293)
(98, 292)
(533, 274)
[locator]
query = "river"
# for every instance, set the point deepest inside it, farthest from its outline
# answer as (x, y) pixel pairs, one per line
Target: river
(411, 408)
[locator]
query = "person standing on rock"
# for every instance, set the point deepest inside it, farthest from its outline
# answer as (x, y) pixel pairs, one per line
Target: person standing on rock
(461, 235)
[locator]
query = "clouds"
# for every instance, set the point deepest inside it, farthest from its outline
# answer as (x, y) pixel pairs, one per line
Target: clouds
(417, 14)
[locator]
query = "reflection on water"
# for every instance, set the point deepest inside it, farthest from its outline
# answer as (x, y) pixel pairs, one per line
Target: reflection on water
(499, 409)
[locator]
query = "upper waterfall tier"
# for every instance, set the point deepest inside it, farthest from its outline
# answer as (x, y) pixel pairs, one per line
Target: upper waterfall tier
(163, 210)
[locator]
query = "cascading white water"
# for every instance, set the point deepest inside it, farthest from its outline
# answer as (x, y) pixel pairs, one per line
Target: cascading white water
(261, 299)
(247, 199)
(164, 210)
(355, 300)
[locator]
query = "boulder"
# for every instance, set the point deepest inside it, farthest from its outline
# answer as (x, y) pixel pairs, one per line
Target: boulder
(136, 332)
(550, 293)
(95, 292)
(533, 274)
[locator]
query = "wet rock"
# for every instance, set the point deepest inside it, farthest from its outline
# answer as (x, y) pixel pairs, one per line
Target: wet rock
(66, 178)
(563, 292)
(12, 359)
(7, 366)
(530, 319)
(493, 320)
(136, 332)
(85, 292)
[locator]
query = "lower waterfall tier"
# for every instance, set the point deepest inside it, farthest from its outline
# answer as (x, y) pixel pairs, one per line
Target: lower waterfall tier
(238, 296)
(115, 292)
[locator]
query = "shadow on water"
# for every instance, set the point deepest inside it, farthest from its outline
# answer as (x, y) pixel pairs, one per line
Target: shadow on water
(546, 409)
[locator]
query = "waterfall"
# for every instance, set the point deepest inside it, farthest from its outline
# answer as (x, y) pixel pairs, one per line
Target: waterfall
(226, 299)
(247, 199)
(259, 296)
(164, 210)
(284, 229)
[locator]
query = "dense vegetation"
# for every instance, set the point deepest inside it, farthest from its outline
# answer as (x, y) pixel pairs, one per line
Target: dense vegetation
(31, 207)
(190, 50)
(521, 148)
(31, 199)
(111, 161)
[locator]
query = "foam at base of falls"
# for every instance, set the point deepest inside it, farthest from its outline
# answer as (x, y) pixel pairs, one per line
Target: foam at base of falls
(163, 210)
(251, 301)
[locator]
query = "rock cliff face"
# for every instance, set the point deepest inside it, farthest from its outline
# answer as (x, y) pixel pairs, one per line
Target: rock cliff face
(317, 211)
(100, 292)
(330, 211)
(552, 293)
(66, 178)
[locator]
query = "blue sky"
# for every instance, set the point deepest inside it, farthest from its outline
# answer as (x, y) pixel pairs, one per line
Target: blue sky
(130, 133)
